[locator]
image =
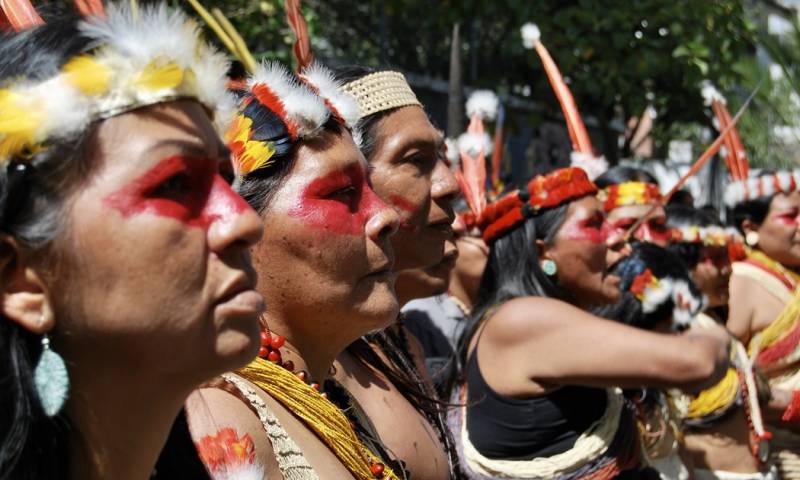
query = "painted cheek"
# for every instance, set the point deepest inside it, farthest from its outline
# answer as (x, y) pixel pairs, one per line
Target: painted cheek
(408, 212)
(334, 216)
(589, 233)
(208, 197)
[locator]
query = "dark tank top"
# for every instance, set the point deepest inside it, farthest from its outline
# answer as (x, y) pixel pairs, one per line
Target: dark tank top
(507, 428)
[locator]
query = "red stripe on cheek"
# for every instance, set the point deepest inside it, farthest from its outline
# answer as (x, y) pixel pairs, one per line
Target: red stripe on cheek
(410, 210)
(223, 204)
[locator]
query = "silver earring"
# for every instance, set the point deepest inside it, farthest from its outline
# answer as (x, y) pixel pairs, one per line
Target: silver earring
(549, 267)
(51, 379)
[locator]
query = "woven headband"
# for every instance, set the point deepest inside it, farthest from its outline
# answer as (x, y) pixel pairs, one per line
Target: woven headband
(542, 192)
(381, 91)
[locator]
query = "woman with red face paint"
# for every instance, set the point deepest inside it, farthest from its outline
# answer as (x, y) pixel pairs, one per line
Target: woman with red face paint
(723, 430)
(766, 210)
(409, 171)
(632, 198)
(125, 280)
(326, 262)
(533, 347)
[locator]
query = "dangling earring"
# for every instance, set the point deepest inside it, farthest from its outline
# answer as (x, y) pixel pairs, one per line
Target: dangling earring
(549, 267)
(751, 238)
(51, 379)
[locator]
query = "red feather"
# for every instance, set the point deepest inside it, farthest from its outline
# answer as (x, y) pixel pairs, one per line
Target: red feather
(302, 47)
(91, 8)
(472, 174)
(20, 14)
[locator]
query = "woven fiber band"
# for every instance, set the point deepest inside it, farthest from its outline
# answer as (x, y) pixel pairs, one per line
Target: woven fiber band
(381, 91)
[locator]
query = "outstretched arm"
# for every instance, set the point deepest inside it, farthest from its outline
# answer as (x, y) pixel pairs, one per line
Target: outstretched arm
(551, 343)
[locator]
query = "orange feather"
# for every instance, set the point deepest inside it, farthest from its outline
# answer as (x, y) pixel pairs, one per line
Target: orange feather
(302, 47)
(20, 14)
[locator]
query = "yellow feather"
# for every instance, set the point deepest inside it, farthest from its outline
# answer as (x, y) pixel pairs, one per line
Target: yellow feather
(87, 75)
(18, 125)
(157, 76)
(250, 154)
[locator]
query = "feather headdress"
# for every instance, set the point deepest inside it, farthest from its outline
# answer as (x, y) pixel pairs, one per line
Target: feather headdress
(583, 153)
(141, 60)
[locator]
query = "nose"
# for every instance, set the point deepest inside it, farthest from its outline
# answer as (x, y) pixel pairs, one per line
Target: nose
(232, 222)
(443, 183)
(383, 223)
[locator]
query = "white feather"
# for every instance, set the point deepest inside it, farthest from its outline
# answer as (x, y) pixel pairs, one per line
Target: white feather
(710, 93)
(239, 472)
(305, 109)
(452, 151)
(655, 296)
(473, 144)
(484, 104)
(784, 180)
(530, 35)
(593, 166)
(330, 89)
(735, 193)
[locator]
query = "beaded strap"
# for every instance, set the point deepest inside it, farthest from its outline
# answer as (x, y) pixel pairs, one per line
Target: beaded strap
(291, 461)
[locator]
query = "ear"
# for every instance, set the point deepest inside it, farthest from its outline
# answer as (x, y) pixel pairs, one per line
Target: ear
(749, 226)
(22, 292)
(541, 247)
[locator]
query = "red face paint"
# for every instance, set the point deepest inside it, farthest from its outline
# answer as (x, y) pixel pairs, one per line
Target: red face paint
(787, 218)
(654, 230)
(594, 229)
(410, 210)
(189, 190)
(340, 202)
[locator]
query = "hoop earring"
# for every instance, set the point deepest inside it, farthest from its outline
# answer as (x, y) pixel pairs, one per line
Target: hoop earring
(51, 379)
(549, 267)
(751, 238)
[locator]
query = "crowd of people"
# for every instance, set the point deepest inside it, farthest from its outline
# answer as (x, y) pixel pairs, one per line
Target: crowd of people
(210, 272)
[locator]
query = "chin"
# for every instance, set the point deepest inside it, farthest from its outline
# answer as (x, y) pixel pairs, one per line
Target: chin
(235, 349)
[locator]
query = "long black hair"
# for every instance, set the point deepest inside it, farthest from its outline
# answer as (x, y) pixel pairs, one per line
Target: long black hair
(754, 210)
(512, 271)
(33, 196)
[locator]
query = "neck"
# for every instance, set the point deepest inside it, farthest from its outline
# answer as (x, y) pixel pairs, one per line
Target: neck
(460, 291)
(120, 425)
(312, 351)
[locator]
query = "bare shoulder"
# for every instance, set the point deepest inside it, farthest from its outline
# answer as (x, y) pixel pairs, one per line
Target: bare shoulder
(229, 436)
(523, 318)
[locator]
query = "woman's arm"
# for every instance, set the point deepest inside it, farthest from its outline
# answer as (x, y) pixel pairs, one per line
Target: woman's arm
(531, 345)
(740, 315)
(221, 422)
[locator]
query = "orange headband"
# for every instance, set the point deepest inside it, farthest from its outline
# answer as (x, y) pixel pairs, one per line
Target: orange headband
(543, 191)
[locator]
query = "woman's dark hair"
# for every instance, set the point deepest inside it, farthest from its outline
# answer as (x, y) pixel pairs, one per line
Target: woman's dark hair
(663, 264)
(755, 210)
(512, 271)
(622, 174)
(684, 216)
(33, 200)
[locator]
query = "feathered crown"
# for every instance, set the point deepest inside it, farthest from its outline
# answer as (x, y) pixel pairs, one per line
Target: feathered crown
(541, 192)
(630, 193)
(582, 152)
(139, 60)
(278, 108)
(742, 187)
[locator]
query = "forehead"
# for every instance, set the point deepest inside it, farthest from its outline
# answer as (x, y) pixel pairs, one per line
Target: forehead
(328, 153)
(782, 201)
(406, 127)
(135, 140)
(585, 207)
(636, 212)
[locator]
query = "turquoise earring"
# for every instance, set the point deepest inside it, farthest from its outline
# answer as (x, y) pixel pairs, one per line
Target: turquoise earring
(51, 379)
(549, 267)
